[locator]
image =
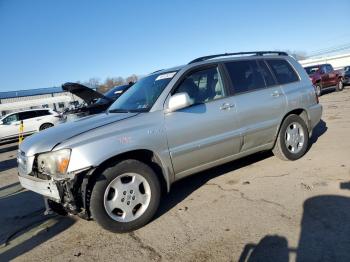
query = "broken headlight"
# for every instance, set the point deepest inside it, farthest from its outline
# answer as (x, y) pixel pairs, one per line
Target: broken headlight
(54, 163)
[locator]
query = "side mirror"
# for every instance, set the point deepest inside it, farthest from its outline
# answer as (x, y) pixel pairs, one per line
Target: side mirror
(179, 101)
(321, 71)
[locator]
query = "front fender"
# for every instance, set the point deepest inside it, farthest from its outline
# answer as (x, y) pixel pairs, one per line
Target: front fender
(145, 131)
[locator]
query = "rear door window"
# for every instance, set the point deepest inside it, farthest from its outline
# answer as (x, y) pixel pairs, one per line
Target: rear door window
(283, 71)
(266, 73)
(27, 115)
(245, 76)
(42, 112)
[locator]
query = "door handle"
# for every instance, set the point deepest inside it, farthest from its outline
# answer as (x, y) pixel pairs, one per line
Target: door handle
(226, 106)
(276, 94)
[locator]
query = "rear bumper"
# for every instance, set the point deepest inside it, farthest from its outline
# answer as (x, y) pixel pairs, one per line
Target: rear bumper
(315, 114)
(46, 188)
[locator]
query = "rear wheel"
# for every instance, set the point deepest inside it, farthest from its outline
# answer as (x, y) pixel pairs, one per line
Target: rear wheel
(45, 126)
(340, 85)
(125, 197)
(293, 139)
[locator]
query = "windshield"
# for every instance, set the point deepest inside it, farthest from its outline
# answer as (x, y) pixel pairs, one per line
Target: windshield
(311, 70)
(143, 94)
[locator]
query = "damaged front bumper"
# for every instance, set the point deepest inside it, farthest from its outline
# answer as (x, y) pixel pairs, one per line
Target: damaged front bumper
(63, 196)
(46, 188)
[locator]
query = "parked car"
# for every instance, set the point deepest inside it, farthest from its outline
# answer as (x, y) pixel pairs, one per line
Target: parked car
(33, 121)
(346, 78)
(114, 166)
(94, 102)
(324, 76)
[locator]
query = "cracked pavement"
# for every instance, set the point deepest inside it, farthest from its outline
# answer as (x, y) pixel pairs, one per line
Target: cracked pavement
(258, 207)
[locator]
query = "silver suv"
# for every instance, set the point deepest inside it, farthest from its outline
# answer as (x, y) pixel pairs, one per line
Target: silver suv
(113, 167)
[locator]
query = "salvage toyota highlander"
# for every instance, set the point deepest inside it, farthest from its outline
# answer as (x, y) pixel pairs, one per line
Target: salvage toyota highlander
(114, 166)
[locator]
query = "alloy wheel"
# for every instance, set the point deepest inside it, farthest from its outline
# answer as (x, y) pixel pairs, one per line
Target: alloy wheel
(127, 197)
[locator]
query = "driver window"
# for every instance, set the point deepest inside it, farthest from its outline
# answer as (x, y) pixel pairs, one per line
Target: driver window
(324, 69)
(10, 119)
(203, 86)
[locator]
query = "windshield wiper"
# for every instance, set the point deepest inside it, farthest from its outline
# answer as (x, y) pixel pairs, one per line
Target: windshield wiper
(117, 110)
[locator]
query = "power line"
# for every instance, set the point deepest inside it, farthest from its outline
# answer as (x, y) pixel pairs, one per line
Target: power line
(328, 50)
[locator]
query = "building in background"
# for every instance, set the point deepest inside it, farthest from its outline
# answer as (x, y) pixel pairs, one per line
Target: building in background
(337, 61)
(54, 98)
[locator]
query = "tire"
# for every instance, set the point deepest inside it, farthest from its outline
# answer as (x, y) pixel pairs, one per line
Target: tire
(295, 131)
(318, 89)
(45, 126)
(339, 86)
(107, 204)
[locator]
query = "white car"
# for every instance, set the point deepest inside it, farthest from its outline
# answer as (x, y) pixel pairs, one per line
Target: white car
(34, 120)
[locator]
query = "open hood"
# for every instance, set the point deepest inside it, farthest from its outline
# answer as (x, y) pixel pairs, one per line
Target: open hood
(87, 94)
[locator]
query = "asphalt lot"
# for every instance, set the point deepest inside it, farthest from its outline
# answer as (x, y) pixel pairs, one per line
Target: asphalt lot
(255, 209)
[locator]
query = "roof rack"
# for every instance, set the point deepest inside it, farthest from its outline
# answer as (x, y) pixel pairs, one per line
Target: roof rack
(257, 53)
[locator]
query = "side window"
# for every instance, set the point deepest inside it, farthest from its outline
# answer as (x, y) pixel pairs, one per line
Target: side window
(10, 119)
(245, 76)
(324, 69)
(329, 68)
(203, 86)
(27, 115)
(42, 112)
(283, 71)
(265, 71)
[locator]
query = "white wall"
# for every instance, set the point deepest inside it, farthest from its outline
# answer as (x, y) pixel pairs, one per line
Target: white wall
(8, 105)
(337, 61)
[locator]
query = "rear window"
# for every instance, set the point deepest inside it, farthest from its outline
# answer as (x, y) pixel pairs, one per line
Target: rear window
(283, 71)
(245, 76)
(310, 70)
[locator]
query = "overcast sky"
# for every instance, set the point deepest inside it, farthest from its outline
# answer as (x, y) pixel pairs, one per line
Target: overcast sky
(46, 43)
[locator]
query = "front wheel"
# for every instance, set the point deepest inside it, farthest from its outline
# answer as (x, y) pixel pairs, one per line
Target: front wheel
(318, 90)
(293, 139)
(125, 196)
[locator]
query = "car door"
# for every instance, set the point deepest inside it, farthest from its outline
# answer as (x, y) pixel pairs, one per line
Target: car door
(10, 126)
(325, 76)
(43, 116)
(29, 119)
(206, 132)
(260, 102)
(333, 80)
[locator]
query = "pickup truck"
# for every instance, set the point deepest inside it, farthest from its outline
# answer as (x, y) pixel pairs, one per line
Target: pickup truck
(324, 76)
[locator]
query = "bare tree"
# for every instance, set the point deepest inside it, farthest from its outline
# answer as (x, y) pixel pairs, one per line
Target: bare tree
(109, 83)
(93, 82)
(133, 78)
(298, 55)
